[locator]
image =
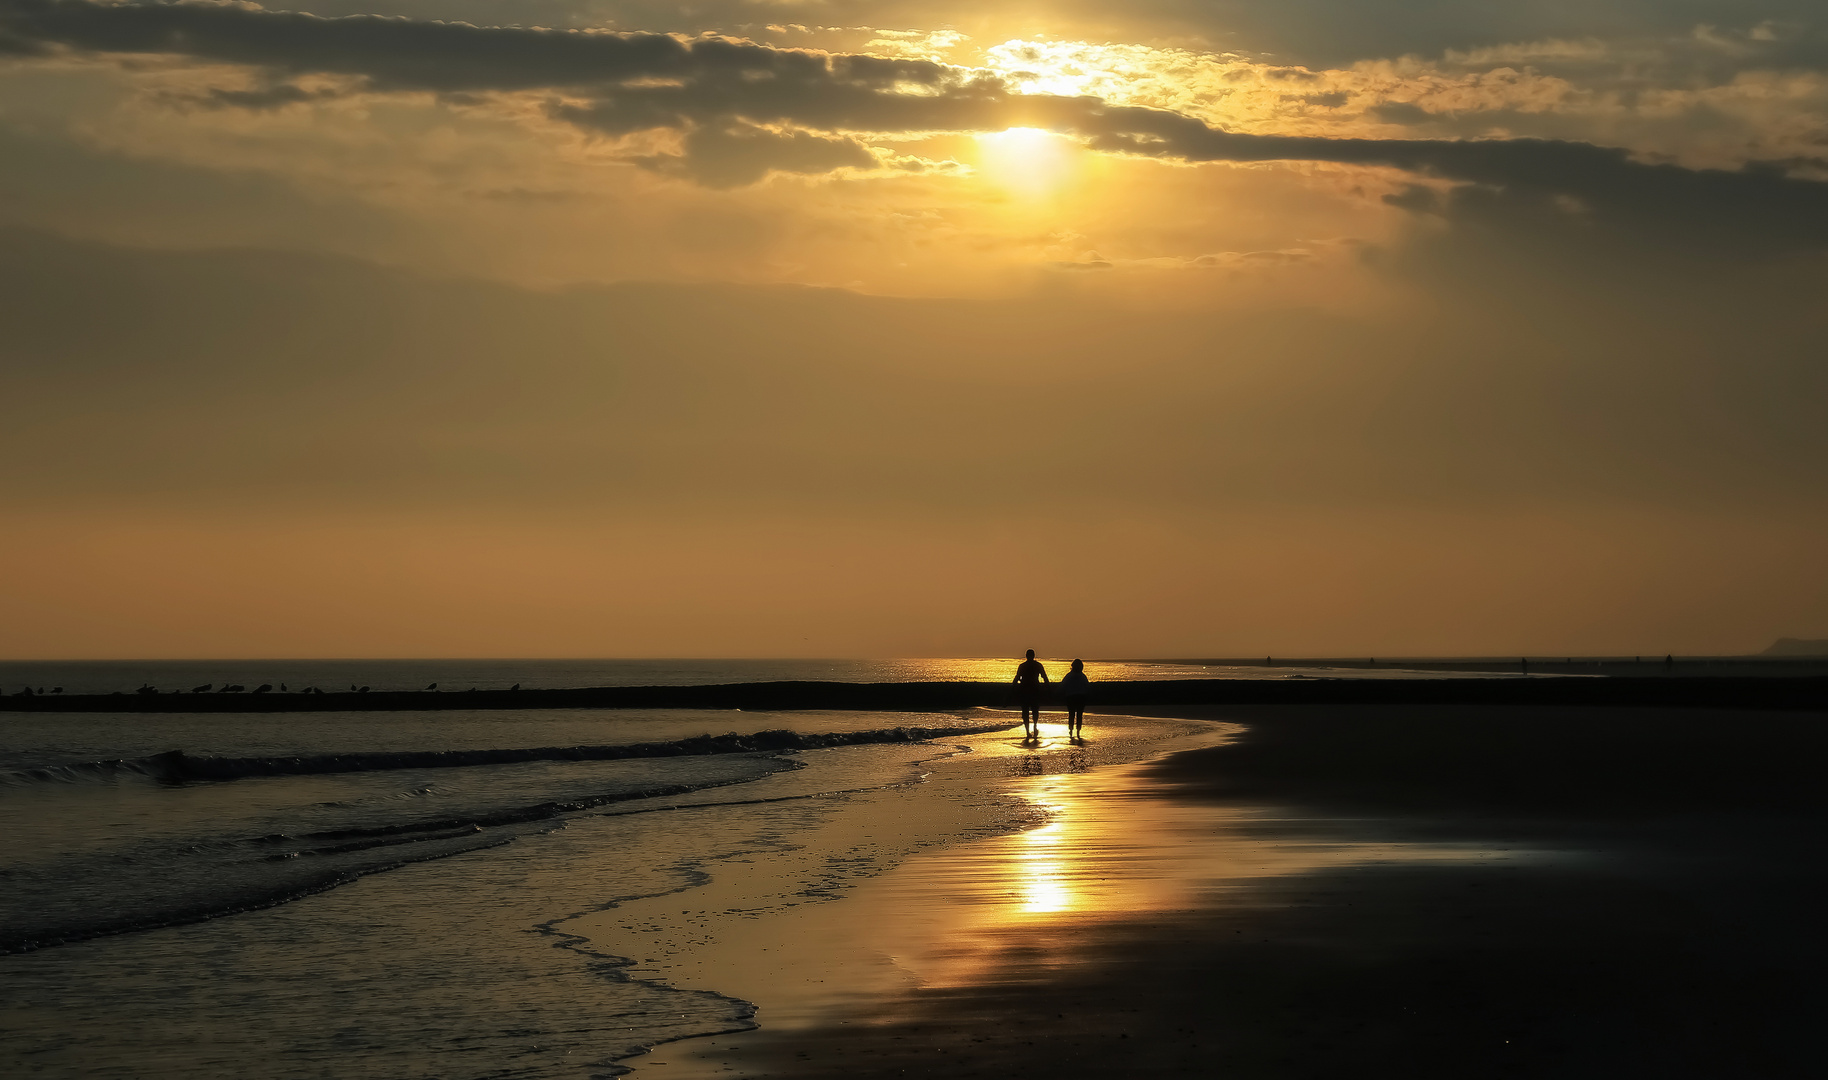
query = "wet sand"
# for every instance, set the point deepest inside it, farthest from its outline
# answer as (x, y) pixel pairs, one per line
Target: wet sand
(1431, 891)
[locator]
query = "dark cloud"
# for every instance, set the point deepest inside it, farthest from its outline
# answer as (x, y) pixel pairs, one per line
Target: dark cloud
(398, 53)
(270, 97)
(1758, 207)
(1335, 33)
(631, 81)
(16, 46)
(1305, 32)
(1416, 198)
(1399, 112)
(720, 92)
(734, 157)
(1332, 99)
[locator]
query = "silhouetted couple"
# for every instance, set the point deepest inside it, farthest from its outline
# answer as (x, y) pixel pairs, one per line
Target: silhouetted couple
(1074, 688)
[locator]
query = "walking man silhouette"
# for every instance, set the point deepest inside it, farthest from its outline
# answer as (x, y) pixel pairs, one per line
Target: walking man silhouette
(1029, 677)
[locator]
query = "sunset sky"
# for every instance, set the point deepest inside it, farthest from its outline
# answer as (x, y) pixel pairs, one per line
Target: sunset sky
(858, 328)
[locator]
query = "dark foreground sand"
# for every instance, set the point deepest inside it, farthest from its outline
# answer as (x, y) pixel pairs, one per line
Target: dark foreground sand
(1418, 891)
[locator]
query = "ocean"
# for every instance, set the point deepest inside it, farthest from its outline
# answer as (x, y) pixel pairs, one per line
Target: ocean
(365, 894)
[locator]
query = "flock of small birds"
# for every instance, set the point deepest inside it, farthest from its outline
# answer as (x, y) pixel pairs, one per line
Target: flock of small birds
(225, 688)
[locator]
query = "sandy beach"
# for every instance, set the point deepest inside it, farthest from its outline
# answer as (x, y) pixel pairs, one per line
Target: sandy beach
(1262, 891)
(1436, 891)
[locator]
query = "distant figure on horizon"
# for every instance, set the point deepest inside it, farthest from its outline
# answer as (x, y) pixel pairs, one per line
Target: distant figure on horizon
(1029, 677)
(1074, 687)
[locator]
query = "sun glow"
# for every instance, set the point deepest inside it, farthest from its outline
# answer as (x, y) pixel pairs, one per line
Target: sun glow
(1028, 161)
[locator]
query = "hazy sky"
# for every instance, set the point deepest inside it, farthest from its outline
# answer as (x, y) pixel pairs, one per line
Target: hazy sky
(859, 328)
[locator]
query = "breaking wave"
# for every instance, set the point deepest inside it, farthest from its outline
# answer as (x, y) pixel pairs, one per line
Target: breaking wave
(176, 766)
(207, 848)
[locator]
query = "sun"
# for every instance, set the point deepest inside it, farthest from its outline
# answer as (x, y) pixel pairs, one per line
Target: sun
(1030, 162)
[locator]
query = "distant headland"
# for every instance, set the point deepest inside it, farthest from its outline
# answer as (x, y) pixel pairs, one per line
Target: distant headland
(1790, 646)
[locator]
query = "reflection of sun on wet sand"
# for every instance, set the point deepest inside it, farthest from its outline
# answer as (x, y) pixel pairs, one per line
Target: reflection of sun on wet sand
(1111, 848)
(1442, 893)
(799, 956)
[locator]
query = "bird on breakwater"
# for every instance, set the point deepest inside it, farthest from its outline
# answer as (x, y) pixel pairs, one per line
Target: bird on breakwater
(363, 690)
(56, 689)
(282, 688)
(434, 686)
(516, 686)
(263, 688)
(204, 689)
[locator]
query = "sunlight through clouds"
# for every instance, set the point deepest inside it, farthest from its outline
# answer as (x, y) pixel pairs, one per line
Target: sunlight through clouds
(1028, 161)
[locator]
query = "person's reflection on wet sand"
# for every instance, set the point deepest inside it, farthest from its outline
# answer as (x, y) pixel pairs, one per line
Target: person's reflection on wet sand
(1075, 687)
(1029, 677)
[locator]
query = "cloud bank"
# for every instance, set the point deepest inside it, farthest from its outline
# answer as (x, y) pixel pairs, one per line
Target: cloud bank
(741, 109)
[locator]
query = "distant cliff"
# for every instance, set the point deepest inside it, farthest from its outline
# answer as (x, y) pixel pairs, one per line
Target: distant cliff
(1790, 646)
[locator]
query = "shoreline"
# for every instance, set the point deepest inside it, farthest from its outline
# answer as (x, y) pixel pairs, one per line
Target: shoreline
(1327, 891)
(1722, 691)
(777, 926)
(1291, 904)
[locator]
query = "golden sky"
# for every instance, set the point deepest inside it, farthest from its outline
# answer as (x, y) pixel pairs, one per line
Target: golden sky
(846, 328)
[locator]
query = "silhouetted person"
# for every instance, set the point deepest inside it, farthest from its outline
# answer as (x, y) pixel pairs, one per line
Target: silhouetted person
(1029, 677)
(1074, 687)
